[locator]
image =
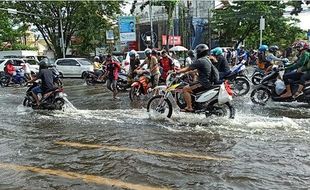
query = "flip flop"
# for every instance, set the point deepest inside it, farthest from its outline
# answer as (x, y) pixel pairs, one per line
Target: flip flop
(297, 94)
(187, 110)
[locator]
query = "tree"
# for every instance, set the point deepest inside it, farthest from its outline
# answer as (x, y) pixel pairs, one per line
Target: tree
(169, 7)
(240, 22)
(78, 18)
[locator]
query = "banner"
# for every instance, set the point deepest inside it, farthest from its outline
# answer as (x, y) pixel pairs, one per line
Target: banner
(109, 35)
(127, 28)
(176, 39)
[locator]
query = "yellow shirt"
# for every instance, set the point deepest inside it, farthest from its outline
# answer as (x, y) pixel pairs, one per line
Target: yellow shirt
(97, 66)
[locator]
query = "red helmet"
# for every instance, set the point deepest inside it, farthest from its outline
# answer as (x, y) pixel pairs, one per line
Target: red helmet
(301, 45)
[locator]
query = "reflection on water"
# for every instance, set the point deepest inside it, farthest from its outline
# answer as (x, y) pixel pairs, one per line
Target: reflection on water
(268, 146)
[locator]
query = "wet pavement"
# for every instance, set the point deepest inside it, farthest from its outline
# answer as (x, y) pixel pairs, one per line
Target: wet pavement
(104, 144)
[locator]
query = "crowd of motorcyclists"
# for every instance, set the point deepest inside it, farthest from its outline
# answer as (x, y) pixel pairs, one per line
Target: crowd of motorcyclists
(207, 67)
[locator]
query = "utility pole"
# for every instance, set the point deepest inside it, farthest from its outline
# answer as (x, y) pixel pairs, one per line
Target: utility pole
(261, 28)
(151, 21)
(209, 28)
(62, 35)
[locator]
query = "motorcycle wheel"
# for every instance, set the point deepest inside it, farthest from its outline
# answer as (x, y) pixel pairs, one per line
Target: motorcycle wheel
(4, 82)
(89, 81)
(27, 102)
(180, 100)
(159, 105)
(59, 103)
(257, 78)
(134, 93)
(220, 110)
(240, 86)
(260, 96)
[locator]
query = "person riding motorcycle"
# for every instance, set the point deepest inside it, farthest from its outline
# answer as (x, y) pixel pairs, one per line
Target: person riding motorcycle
(9, 69)
(272, 59)
(134, 63)
(208, 75)
(220, 62)
(262, 62)
(97, 67)
(242, 54)
(112, 75)
(166, 63)
(303, 70)
(152, 65)
(47, 77)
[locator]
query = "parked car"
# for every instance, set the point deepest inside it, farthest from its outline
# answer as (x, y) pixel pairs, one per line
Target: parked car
(34, 67)
(73, 67)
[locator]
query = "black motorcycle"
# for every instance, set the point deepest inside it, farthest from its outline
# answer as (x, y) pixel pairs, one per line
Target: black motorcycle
(267, 89)
(54, 101)
(91, 78)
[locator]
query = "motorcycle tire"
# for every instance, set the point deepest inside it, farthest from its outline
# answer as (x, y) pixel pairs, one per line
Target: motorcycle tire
(159, 107)
(257, 78)
(220, 110)
(238, 85)
(133, 93)
(89, 81)
(4, 82)
(27, 102)
(261, 98)
(59, 103)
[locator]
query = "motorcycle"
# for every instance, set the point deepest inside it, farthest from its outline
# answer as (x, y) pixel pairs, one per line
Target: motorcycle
(91, 78)
(54, 101)
(238, 80)
(19, 79)
(257, 76)
(208, 102)
(57, 76)
(267, 89)
(140, 87)
(122, 82)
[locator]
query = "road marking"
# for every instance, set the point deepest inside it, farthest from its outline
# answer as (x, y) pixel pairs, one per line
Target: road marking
(143, 151)
(86, 178)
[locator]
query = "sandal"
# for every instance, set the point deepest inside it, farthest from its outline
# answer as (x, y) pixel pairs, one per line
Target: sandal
(187, 110)
(297, 94)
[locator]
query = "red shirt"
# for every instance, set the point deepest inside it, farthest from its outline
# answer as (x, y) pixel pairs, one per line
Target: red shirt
(167, 65)
(10, 69)
(113, 69)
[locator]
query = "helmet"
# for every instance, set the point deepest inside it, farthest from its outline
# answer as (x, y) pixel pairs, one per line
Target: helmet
(96, 58)
(132, 54)
(273, 49)
(154, 52)
(9, 62)
(147, 52)
(300, 45)
(43, 63)
(263, 48)
(201, 50)
(217, 51)
(191, 53)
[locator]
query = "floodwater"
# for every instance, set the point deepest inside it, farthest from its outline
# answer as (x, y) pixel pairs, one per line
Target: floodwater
(103, 144)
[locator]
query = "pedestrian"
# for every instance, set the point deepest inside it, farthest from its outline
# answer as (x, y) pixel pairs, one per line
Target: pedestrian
(112, 75)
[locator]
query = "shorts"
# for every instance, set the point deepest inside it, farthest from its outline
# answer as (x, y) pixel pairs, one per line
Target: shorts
(111, 84)
(155, 80)
(196, 87)
(37, 90)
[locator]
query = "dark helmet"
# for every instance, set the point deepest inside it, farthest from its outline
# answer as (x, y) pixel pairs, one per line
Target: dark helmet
(273, 49)
(154, 52)
(9, 62)
(132, 54)
(191, 53)
(147, 52)
(201, 50)
(43, 63)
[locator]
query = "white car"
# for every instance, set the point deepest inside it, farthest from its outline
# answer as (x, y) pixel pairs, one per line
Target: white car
(34, 67)
(73, 67)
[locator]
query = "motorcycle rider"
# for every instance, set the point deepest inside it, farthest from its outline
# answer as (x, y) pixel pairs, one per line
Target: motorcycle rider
(47, 77)
(220, 62)
(303, 70)
(272, 58)
(112, 75)
(9, 69)
(190, 59)
(97, 67)
(134, 63)
(152, 65)
(166, 63)
(262, 62)
(208, 75)
(242, 54)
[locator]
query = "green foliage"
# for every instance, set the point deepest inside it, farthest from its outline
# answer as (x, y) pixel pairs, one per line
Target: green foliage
(80, 18)
(240, 22)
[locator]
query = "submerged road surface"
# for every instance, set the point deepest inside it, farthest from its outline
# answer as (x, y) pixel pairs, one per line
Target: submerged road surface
(103, 144)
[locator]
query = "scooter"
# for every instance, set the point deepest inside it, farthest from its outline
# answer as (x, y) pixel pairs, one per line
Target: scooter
(54, 101)
(19, 79)
(267, 89)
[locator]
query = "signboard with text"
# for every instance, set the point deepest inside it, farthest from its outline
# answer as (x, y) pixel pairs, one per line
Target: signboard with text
(172, 40)
(127, 28)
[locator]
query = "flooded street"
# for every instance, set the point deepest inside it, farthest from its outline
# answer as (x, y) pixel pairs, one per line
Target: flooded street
(104, 144)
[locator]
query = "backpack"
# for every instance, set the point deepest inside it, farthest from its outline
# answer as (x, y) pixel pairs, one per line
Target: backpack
(214, 75)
